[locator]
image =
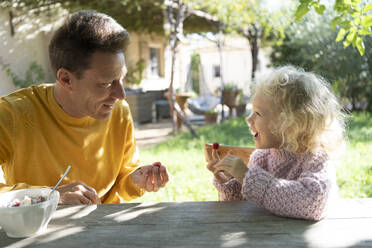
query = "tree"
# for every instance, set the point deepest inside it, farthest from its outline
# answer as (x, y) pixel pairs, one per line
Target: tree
(176, 14)
(354, 19)
(249, 18)
(310, 44)
(135, 15)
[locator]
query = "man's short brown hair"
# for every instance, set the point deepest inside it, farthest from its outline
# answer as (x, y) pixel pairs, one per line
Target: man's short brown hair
(82, 34)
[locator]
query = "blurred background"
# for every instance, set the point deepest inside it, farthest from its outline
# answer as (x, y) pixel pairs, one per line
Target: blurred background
(208, 54)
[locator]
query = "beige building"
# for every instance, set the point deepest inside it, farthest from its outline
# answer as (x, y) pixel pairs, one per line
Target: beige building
(25, 41)
(28, 43)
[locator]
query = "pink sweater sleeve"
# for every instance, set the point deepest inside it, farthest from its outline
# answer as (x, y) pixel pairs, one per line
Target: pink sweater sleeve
(231, 190)
(304, 197)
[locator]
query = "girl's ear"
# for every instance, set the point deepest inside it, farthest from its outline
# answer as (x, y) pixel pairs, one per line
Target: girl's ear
(65, 78)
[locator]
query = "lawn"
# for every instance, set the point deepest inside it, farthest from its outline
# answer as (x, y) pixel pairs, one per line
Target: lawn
(191, 181)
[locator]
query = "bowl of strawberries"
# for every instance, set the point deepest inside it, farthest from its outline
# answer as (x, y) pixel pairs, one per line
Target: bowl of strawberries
(27, 212)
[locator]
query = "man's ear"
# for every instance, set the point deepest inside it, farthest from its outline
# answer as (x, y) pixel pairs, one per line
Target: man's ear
(65, 78)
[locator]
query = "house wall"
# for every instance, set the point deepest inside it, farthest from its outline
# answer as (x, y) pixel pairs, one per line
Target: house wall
(28, 44)
(236, 63)
(139, 48)
(236, 67)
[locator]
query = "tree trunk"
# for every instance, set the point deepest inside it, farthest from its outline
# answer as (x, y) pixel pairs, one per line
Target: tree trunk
(253, 41)
(176, 29)
(254, 51)
(219, 44)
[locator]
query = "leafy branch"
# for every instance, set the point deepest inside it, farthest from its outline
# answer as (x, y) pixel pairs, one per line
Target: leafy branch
(353, 16)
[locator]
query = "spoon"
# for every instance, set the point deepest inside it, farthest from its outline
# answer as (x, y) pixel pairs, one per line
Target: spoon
(60, 180)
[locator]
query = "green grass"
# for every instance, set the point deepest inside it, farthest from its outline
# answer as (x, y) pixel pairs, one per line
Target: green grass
(191, 181)
(354, 176)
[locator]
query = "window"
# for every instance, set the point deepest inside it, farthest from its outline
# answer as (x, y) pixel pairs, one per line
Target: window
(216, 71)
(154, 62)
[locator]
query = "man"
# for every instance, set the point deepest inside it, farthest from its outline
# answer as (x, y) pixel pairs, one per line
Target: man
(81, 120)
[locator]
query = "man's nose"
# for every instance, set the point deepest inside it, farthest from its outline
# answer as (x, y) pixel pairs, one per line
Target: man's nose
(118, 91)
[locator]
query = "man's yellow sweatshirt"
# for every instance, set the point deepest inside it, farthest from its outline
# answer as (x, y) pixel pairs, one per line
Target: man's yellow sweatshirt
(38, 140)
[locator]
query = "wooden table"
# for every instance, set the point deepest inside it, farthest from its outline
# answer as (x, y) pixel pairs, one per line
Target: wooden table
(200, 224)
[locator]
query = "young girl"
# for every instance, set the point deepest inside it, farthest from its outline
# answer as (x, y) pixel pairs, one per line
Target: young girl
(297, 126)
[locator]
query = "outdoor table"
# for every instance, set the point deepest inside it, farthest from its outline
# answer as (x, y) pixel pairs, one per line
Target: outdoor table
(200, 224)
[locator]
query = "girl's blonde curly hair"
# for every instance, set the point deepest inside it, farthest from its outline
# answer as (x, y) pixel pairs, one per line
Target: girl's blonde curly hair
(309, 115)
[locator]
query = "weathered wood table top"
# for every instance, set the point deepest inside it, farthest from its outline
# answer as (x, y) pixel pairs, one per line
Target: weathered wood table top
(200, 224)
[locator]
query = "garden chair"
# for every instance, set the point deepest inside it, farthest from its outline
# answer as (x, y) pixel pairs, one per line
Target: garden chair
(202, 104)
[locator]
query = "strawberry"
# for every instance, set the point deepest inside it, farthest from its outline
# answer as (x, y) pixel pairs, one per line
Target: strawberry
(16, 203)
(158, 164)
(215, 145)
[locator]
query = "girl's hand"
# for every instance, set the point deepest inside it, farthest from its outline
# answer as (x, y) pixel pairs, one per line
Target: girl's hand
(232, 165)
(219, 176)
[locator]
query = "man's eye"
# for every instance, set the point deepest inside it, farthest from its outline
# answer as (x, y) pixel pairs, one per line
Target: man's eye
(106, 85)
(257, 113)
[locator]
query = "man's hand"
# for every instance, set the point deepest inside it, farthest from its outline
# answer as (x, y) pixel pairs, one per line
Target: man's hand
(77, 193)
(151, 178)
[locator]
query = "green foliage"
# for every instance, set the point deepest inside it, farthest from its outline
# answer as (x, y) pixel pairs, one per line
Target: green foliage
(135, 15)
(309, 44)
(211, 111)
(251, 19)
(34, 75)
(354, 176)
(230, 87)
(360, 128)
(191, 181)
(135, 74)
(354, 18)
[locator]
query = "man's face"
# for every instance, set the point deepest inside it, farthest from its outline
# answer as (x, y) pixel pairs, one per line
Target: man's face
(100, 86)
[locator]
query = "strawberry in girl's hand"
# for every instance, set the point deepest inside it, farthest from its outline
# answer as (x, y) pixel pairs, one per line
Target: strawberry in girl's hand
(215, 145)
(158, 164)
(221, 173)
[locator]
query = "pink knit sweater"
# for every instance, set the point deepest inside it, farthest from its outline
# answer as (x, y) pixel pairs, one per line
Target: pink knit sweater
(286, 184)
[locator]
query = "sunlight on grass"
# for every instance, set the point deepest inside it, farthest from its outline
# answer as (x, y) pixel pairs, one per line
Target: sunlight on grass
(191, 181)
(354, 176)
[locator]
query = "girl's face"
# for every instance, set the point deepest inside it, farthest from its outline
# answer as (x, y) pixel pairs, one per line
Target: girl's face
(262, 117)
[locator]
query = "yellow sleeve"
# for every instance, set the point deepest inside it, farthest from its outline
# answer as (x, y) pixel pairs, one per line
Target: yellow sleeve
(6, 131)
(7, 142)
(7, 123)
(5, 188)
(124, 189)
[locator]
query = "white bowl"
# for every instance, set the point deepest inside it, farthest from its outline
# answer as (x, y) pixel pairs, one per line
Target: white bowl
(24, 221)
